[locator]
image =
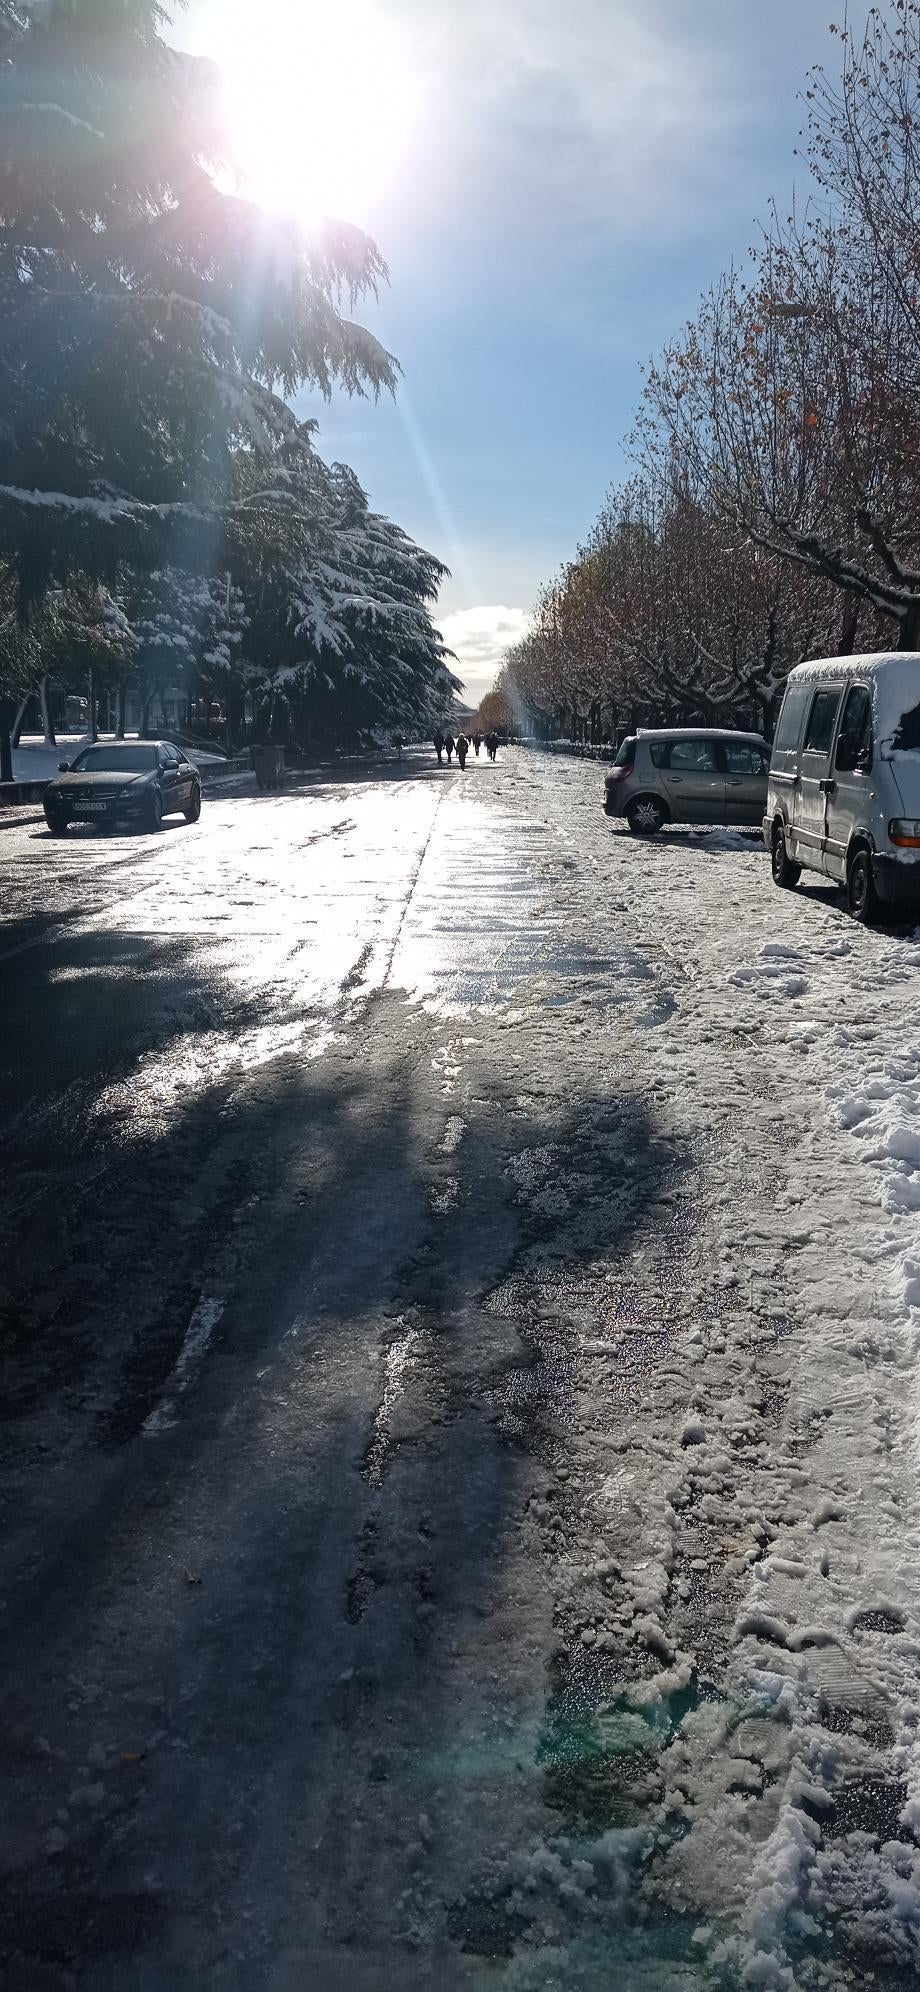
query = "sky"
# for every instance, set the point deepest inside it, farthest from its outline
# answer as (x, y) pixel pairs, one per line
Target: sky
(552, 184)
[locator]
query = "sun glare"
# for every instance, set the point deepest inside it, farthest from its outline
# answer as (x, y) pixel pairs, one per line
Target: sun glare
(319, 104)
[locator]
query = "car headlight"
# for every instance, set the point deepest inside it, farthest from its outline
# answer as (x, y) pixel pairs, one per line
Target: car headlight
(905, 832)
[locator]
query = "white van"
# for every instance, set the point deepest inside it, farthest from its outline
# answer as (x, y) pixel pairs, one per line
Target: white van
(843, 796)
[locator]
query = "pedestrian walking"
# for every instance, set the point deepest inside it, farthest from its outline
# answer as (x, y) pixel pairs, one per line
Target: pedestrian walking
(477, 743)
(463, 748)
(450, 743)
(398, 744)
(438, 744)
(491, 745)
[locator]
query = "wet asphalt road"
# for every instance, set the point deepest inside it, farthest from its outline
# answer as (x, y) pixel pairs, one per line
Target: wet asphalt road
(326, 1125)
(275, 1664)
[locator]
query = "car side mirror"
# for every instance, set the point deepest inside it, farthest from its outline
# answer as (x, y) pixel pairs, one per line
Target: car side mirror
(63, 767)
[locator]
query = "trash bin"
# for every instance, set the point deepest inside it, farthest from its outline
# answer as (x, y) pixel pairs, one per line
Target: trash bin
(269, 766)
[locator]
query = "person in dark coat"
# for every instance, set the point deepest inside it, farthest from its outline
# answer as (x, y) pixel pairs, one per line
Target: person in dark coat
(492, 745)
(463, 748)
(450, 743)
(477, 743)
(439, 743)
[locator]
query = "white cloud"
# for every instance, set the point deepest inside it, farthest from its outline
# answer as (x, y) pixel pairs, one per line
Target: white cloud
(604, 111)
(479, 638)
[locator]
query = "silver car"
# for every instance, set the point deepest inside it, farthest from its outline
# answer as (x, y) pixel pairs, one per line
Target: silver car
(688, 774)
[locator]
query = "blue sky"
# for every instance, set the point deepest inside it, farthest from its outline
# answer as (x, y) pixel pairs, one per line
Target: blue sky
(561, 180)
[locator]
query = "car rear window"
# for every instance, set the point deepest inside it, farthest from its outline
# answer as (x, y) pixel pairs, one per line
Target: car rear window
(693, 756)
(626, 752)
(744, 757)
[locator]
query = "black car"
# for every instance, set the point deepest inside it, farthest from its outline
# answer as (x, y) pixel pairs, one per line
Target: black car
(124, 781)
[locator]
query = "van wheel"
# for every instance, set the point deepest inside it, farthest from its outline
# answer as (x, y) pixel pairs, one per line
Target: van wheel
(645, 816)
(785, 873)
(862, 899)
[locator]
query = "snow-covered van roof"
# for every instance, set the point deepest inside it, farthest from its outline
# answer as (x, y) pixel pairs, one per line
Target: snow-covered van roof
(871, 663)
(894, 678)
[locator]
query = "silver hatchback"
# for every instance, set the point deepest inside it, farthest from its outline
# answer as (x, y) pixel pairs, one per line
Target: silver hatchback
(688, 774)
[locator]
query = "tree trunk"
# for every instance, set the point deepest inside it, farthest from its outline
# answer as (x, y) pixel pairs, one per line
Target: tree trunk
(909, 633)
(145, 715)
(6, 744)
(92, 728)
(850, 624)
(121, 699)
(47, 721)
(21, 711)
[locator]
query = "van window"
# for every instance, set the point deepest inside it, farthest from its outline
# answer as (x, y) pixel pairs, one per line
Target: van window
(854, 745)
(907, 735)
(820, 729)
(790, 719)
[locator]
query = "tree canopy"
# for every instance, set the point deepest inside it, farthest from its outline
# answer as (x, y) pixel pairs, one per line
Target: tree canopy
(774, 508)
(153, 328)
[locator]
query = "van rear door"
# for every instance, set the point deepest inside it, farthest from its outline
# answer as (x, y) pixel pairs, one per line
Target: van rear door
(809, 821)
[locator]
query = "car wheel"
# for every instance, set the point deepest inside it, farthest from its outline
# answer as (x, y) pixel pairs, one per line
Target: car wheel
(57, 829)
(785, 873)
(645, 817)
(192, 810)
(862, 899)
(155, 816)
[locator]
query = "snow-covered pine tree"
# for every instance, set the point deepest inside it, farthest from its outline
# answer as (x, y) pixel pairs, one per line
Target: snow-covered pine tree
(339, 598)
(149, 322)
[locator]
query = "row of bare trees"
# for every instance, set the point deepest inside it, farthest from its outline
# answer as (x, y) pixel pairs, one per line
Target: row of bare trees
(774, 508)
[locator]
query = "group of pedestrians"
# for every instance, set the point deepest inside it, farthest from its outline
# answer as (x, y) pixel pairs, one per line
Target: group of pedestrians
(444, 743)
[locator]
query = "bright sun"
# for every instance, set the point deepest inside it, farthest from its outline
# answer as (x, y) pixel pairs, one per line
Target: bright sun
(319, 101)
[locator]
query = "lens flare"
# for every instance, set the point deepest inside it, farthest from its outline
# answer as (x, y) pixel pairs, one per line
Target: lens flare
(319, 105)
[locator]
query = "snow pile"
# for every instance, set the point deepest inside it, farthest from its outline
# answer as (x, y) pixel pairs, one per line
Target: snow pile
(779, 972)
(883, 1113)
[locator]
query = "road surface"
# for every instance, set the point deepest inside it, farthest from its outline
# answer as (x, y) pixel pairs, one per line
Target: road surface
(459, 1325)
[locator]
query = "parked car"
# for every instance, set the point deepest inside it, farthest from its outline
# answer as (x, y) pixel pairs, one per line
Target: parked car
(129, 781)
(688, 774)
(844, 791)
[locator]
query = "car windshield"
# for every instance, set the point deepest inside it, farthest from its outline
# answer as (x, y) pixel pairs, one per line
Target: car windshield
(115, 760)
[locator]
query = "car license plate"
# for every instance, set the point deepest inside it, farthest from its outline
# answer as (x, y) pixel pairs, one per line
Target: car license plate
(90, 808)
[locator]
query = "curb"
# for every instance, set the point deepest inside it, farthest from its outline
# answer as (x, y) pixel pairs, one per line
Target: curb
(10, 818)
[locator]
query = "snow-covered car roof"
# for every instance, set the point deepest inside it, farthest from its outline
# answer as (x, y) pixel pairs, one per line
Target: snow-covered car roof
(699, 733)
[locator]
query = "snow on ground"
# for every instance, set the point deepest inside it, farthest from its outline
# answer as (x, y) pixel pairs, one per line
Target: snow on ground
(33, 761)
(709, 1122)
(740, 1616)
